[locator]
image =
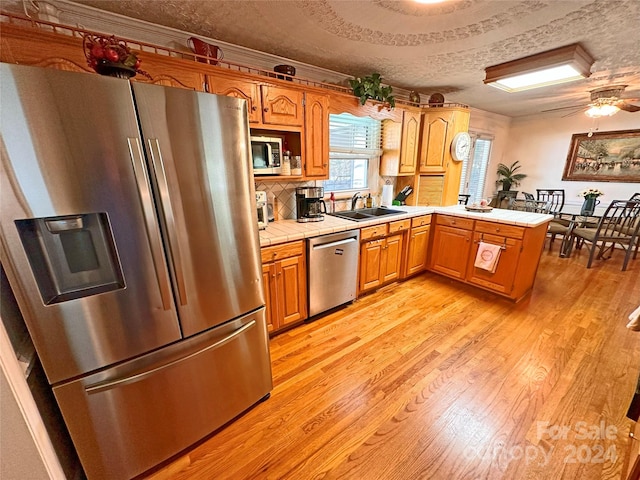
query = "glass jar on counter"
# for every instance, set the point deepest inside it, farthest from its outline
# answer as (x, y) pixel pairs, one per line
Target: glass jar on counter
(296, 165)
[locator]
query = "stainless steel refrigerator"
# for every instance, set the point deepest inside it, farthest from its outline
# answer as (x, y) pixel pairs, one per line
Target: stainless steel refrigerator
(129, 236)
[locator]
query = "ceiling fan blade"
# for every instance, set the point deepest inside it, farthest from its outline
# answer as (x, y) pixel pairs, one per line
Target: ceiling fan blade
(628, 107)
(571, 114)
(575, 107)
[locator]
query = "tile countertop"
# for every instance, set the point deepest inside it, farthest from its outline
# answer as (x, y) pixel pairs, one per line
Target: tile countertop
(289, 230)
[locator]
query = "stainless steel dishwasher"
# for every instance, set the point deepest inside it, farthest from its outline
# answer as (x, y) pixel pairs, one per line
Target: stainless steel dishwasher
(333, 270)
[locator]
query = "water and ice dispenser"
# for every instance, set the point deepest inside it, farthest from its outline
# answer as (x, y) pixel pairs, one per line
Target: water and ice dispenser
(71, 256)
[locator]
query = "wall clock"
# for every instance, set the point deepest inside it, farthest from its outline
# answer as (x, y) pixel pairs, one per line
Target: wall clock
(460, 146)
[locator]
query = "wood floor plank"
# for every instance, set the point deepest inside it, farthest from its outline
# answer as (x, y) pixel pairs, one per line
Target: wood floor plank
(434, 379)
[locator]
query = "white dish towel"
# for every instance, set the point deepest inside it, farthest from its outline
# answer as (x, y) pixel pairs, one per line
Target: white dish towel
(487, 256)
(634, 320)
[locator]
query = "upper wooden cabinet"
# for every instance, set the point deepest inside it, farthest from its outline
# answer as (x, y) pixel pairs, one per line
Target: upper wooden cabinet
(267, 104)
(27, 46)
(439, 125)
(316, 136)
(235, 87)
(282, 106)
(400, 145)
(434, 136)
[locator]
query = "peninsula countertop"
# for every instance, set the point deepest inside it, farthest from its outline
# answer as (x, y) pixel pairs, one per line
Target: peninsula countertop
(283, 231)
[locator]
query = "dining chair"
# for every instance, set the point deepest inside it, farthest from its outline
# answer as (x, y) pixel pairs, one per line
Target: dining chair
(618, 226)
(463, 199)
(555, 197)
(528, 205)
(528, 196)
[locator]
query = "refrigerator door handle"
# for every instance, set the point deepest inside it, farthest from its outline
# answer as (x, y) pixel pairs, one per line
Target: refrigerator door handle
(101, 387)
(153, 231)
(167, 208)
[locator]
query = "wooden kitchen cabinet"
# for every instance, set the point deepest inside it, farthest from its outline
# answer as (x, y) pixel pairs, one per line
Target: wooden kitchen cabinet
(316, 114)
(400, 145)
(417, 245)
(455, 246)
(433, 144)
(284, 276)
(451, 244)
(510, 238)
(380, 256)
(409, 142)
(267, 104)
(239, 88)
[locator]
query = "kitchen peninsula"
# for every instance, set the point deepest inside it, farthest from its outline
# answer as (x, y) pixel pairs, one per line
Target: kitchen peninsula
(443, 240)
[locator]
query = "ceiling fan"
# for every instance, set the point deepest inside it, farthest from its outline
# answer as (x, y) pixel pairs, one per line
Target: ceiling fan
(605, 101)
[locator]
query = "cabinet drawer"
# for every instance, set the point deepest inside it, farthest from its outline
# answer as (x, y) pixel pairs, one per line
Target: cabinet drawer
(372, 232)
(499, 229)
(420, 221)
(400, 225)
(278, 252)
(457, 222)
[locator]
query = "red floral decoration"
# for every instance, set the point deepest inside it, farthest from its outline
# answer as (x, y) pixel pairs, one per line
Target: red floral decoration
(110, 56)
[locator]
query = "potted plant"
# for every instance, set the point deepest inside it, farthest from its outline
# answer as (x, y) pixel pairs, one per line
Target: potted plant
(507, 175)
(370, 87)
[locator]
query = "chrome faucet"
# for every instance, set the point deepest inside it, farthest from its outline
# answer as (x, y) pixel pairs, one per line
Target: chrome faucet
(354, 200)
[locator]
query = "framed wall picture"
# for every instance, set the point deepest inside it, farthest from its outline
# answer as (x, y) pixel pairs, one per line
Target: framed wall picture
(604, 157)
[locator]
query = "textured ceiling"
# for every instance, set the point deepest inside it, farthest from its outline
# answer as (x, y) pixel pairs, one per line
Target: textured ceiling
(429, 48)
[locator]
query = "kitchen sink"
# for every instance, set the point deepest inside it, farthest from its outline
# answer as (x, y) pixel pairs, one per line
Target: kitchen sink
(366, 213)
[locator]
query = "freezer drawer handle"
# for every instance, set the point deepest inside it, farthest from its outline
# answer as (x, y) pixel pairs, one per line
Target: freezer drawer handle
(153, 232)
(167, 208)
(101, 387)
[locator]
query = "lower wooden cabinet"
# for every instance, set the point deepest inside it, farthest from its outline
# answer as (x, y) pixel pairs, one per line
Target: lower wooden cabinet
(382, 253)
(417, 245)
(455, 246)
(451, 245)
(284, 279)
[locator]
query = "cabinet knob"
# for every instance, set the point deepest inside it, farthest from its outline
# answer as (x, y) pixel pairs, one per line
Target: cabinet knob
(265, 109)
(254, 108)
(497, 229)
(453, 222)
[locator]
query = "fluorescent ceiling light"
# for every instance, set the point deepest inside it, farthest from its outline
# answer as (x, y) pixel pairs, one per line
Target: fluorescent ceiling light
(564, 64)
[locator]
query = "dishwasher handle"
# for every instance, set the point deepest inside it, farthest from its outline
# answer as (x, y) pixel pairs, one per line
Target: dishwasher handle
(334, 244)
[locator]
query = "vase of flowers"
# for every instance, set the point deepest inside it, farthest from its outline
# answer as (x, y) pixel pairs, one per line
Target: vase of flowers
(590, 200)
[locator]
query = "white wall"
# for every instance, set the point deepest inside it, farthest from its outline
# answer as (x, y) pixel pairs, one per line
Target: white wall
(542, 144)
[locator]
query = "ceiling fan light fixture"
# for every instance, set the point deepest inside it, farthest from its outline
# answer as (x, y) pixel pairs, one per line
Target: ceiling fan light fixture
(565, 64)
(598, 110)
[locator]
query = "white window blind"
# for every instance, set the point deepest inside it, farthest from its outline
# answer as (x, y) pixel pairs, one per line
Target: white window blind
(353, 142)
(474, 168)
(351, 134)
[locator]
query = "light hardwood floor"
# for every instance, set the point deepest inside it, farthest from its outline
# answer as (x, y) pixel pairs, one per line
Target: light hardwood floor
(432, 379)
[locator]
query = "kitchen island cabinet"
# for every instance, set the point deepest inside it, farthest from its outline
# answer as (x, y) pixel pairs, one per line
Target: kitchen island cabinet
(284, 279)
(451, 244)
(455, 246)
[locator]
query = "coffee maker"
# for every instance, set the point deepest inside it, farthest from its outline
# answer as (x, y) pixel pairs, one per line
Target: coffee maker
(309, 204)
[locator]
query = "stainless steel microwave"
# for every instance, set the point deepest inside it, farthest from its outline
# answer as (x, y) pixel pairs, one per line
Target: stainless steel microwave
(267, 155)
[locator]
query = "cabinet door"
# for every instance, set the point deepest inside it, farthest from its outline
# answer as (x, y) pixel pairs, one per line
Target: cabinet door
(269, 286)
(502, 279)
(450, 251)
(316, 161)
(417, 255)
(282, 106)
(409, 142)
(370, 259)
(391, 259)
(292, 290)
(434, 141)
(233, 87)
(170, 73)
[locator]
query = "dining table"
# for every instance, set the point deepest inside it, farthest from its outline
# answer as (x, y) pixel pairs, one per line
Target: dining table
(575, 217)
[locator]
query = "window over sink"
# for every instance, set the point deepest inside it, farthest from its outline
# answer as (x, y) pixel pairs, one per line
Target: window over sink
(354, 152)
